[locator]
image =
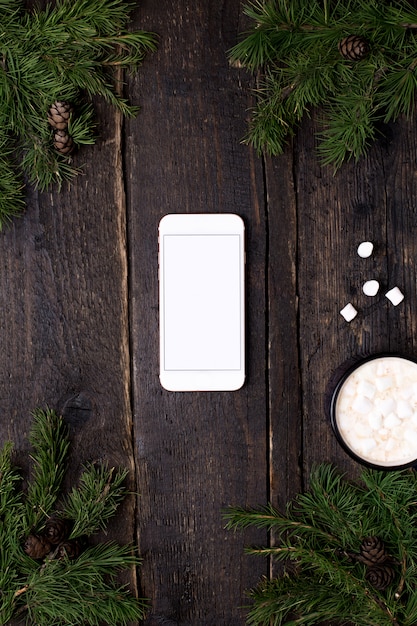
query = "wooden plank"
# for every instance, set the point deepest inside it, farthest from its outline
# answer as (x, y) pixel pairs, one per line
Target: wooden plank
(64, 323)
(336, 213)
(196, 453)
(399, 185)
(284, 376)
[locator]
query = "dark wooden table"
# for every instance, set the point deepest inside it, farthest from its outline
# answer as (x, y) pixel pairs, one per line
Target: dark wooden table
(79, 308)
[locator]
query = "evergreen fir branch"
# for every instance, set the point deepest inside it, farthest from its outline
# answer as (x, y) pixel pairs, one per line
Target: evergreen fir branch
(9, 9)
(93, 79)
(59, 585)
(279, 553)
(280, 600)
(333, 505)
(350, 129)
(9, 498)
(295, 46)
(95, 500)
(71, 51)
(46, 167)
(82, 125)
(271, 121)
(50, 447)
(239, 518)
(411, 609)
(107, 557)
(78, 592)
(398, 92)
(104, 16)
(11, 187)
(127, 50)
(11, 513)
(330, 564)
(270, 519)
(394, 496)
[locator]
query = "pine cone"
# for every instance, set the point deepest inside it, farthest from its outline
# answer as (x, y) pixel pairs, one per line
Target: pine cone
(354, 48)
(63, 142)
(37, 546)
(70, 549)
(380, 576)
(372, 551)
(56, 530)
(59, 114)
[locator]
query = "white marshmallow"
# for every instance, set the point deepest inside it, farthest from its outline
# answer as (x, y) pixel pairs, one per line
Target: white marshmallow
(411, 437)
(365, 249)
(375, 421)
(390, 445)
(349, 389)
(395, 295)
(349, 312)
(370, 288)
(404, 409)
(407, 392)
(363, 405)
(361, 429)
(383, 368)
(382, 436)
(368, 444)
(384, 382)
(386, 406)
(366, 388)
(391, 421)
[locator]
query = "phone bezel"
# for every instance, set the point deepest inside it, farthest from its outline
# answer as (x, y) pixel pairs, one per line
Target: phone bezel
(198, 224)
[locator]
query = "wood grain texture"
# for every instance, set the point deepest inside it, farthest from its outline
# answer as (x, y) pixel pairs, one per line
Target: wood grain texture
(196, 453)
(364, 201)
(285, 400)
(79, 301)
(64, 323)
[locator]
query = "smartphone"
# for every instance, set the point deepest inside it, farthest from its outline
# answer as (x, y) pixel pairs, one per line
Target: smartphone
(201, 302)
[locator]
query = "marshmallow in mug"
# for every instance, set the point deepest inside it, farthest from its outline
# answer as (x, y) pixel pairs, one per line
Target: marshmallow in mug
(376, 411)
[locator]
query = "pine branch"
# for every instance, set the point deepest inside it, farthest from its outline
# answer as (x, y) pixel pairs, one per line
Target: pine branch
(298, 47)
(47, 574)
(11, 186)
(70, 51)
(95, 500)
(271, 519)
(327, 534)
(9, 498)
(77, 592)
(50, 447)
(306, 600)
(11, 513)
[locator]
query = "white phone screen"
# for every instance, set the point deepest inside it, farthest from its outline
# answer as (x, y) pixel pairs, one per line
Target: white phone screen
(202, 312)
(201, 306)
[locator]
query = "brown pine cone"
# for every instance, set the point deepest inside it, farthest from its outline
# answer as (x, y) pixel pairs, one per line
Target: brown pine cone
(70, 549)
(372, 551)
(380, 576)
(37, 546)
(63, 142)
(56, 530)
(353, 48)
(59, 114)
